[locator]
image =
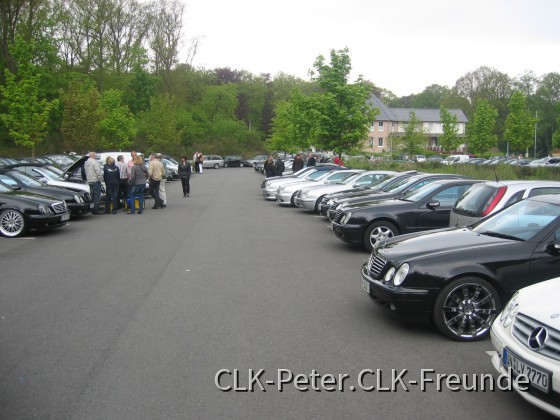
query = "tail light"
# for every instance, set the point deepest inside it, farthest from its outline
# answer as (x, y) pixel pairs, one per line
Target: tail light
(494, 202)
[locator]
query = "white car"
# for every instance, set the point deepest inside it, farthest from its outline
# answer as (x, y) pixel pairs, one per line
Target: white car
(309, 198)
(286, 193)
(526, 337)
(270, 185)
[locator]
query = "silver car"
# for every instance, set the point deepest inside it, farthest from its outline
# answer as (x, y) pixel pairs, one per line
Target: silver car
(213, 161)
(488, 197)
(309, 198)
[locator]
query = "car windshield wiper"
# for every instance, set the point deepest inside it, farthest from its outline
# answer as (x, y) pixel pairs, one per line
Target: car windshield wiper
(501, 235)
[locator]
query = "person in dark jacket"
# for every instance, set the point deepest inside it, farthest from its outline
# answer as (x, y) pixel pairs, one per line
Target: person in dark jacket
(269, 167)
(184, 170)
(279, 167)
(112, 178)
(297, 164)
(311, 161)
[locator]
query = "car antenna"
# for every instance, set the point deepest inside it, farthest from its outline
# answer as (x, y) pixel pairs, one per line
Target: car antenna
(495, 174)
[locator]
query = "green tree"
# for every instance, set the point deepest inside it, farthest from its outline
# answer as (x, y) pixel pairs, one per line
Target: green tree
(81, 117)
(341, 111)
(556, 135)
(413, 138)
(219, 102)
(117, 127)
(431, 97)
(480, 132)
(449, 140)
(160, 125)
(23, 98)
(519, 123)
(291, 126)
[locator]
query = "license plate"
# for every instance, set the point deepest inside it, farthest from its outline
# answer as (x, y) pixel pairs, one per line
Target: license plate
(538, 378)
(65, 217)
(91, 205)
(365, 286)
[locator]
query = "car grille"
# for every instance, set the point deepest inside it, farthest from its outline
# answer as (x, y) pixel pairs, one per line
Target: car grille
(60, 207)
(87, 197)
(375, 266)
(522, 328)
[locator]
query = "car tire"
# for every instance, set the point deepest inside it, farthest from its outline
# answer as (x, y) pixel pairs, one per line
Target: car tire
(216, 166)
(379, 231)
(12, 224)
(318, 204)
(465, 309)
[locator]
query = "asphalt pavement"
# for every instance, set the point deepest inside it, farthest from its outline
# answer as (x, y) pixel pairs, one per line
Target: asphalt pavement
(222, 305)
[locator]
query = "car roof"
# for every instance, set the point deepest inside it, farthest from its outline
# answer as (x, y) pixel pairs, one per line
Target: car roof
(521, 182)
(546, 198)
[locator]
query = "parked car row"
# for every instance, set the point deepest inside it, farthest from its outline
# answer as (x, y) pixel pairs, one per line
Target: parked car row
(453, 251)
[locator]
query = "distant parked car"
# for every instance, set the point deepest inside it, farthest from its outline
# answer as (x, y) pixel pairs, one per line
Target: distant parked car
(526, 337)
(490, 196)
(234, 161)
(455, 159)
(436, 159)
(213, 161)
(459, 278)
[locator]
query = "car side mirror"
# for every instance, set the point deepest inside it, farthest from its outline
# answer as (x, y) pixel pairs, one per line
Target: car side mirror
(433, 204)
(553, 248)
(43, 180)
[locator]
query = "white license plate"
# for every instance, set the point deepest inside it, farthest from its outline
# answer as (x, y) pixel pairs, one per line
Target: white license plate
(538, 378)
(332, 226)
(65, 217)
(91, 205)
(365, 286)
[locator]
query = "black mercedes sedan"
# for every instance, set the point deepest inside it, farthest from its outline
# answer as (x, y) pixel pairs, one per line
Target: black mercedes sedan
(78, 201)
(426, 208)
(22, 211)
(460, 278)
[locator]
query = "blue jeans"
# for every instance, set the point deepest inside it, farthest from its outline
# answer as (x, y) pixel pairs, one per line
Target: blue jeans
(137, 190)
(95, 195)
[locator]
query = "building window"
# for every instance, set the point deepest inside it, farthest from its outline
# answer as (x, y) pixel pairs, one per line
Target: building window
(380, 125)
(370, 142)
(372, 126)
(380, 141)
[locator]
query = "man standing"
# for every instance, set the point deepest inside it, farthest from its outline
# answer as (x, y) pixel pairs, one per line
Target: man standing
(297, 164)
(279, 167)
(156, 174)
(162, 194)
(311, 160)
(94, 176)
(123, 181)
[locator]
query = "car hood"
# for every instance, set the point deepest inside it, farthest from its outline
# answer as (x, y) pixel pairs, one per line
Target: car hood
(78, 164)
(393, 202)
(51, 191)
(32, 198)
(292, 186)
(540, 302)
(438, 242)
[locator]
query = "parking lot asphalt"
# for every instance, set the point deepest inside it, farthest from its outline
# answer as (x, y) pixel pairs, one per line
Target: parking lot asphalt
(169, 314)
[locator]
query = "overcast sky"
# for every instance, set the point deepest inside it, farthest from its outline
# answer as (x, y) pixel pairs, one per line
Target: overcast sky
(400, 45)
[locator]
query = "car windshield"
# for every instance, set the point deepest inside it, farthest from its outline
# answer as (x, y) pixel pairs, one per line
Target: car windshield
(420, 193)
(49, 174)
(4, 188)
(400, 185)
(25, 179)
(521, 221)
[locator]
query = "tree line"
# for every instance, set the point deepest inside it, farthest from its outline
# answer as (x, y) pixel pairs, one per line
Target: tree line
(108, 75)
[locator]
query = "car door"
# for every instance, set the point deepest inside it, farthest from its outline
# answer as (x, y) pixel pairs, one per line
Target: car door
(436, 217)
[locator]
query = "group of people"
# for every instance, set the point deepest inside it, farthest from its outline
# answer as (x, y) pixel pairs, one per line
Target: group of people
(128, 181)
(198, 158)
(276, 168)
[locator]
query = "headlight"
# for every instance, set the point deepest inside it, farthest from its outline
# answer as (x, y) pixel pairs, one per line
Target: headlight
(510, 311)
(401, 274)
(303, 195)
(44, 209)
(345, 218)
(78, 199)
(389, 275)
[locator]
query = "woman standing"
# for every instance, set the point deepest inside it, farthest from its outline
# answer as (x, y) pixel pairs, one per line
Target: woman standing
(184, 170)
(138, 177)
(269, 168)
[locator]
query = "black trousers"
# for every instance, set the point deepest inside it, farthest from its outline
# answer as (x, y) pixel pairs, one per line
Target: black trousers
(123, 193)
(185, 182)
(154, 190)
